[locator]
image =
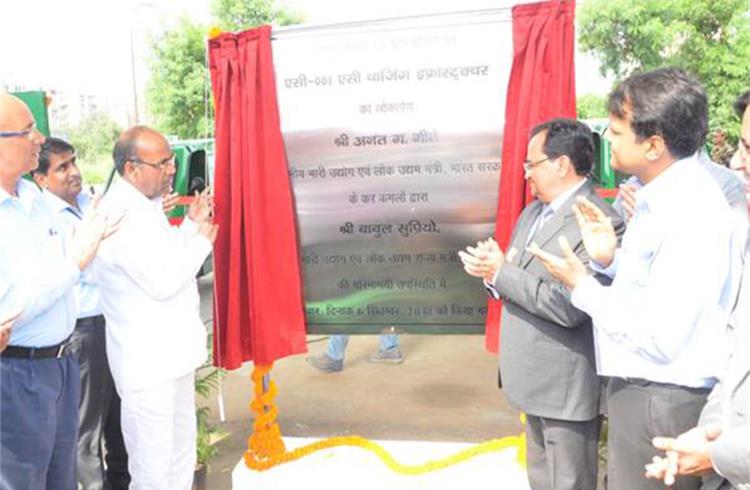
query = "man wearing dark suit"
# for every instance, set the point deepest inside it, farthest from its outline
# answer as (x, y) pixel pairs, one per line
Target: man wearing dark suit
(547, 361)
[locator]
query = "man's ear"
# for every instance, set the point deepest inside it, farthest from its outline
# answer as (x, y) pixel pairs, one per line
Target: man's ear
(40, 179)
(656, 148)
(564, 166)
(129, 170)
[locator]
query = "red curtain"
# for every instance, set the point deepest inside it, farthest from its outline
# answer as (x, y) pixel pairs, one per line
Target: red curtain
(541, 86)
(258, 305)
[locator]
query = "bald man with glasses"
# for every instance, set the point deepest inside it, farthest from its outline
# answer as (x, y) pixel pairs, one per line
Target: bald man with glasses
(39, 265)
(155, 337)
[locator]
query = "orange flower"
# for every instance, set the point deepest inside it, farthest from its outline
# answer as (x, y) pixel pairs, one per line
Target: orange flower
(265, 447)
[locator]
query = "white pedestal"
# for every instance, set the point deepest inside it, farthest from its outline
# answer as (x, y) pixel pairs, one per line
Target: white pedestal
(350, 468)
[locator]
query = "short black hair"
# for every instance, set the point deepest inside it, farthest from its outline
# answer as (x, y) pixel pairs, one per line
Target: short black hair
(741, 104)
(570, 138)
(667, 102)
(51, 146)
(125, 147)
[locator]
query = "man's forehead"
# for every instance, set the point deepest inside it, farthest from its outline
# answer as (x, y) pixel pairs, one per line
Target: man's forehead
(537, 141)
(62, 157)
(14, 114)
(152, 142)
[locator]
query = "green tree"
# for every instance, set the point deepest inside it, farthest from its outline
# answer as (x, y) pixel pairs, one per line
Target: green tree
(93, 140)
(591, 106)
(710, 38)
(178, 93)
(236, 15)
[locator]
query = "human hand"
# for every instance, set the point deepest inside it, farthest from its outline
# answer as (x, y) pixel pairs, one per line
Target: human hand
(686, 455)
(597, 232)
(202, 207)
(567, 269)
(208, 230)
(6, 327)
(484, 260)
(169, 201)
(627, 199)
(95, 227)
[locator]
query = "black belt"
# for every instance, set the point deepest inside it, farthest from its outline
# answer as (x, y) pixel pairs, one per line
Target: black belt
(56, 351)
(91, 321)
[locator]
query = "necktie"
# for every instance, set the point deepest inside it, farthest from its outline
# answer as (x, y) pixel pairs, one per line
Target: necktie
(543, 217)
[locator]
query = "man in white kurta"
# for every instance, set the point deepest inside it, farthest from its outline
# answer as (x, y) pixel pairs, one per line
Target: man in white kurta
(155, 337)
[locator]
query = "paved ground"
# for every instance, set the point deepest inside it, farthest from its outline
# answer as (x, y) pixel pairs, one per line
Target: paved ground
(445, 391)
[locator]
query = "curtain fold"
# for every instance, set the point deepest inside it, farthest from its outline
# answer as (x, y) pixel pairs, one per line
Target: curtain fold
(258, 302)
(541, 86)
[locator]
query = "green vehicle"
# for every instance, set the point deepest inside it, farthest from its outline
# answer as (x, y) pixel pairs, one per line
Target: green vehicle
(195, 169)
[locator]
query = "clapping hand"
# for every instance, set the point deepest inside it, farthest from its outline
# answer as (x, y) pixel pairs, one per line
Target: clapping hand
(568, 269)
(95, 227)
(597, 232)
(483, 260)
(6, 327)
(627, 199)
(685, 455)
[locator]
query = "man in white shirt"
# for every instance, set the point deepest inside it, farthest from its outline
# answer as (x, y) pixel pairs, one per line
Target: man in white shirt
(155, 337)
(719, 447)
(39, 379)
(659, 327)
(60, 179)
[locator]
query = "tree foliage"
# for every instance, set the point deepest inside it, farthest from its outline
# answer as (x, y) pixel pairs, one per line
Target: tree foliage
(94, 136)
(93, 139)
(591, 106)
(709, 38)
(178, 92)
(236, 15)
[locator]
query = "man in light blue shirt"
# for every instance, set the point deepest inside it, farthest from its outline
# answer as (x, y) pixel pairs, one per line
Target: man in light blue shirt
(659, 327)
(39, 380)
(60, 179)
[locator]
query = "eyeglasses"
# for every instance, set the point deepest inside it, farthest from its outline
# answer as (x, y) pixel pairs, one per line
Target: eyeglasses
(528, 165)
(15, 134)
(167, 162)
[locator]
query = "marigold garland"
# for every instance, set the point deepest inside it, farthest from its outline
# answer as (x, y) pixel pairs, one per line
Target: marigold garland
(266, 448)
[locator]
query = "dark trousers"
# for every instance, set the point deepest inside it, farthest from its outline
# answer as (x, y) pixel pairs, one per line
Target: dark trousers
(38, 423)
(98, 396)
(115, 455)
(640, 410)
(561, 454)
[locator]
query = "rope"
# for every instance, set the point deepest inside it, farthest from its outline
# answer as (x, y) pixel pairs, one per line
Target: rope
(266, 448)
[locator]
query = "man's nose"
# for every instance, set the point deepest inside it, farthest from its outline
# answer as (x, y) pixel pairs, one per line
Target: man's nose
(38, 138)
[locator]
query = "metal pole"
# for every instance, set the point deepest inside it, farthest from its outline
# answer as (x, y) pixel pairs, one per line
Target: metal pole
(132, 73)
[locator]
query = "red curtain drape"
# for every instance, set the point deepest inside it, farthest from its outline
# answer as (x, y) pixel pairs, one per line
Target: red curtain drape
(258, 305)
(541, 86)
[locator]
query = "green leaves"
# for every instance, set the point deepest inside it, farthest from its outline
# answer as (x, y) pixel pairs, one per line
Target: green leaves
(178, 93)
(709, 38)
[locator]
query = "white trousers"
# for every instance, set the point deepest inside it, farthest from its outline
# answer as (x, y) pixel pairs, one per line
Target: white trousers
(159, 428)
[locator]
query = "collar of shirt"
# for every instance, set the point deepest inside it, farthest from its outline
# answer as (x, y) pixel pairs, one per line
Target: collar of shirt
(58, 205)
(562, 198)
(27, 192)
(657, 195)
(132, 194)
